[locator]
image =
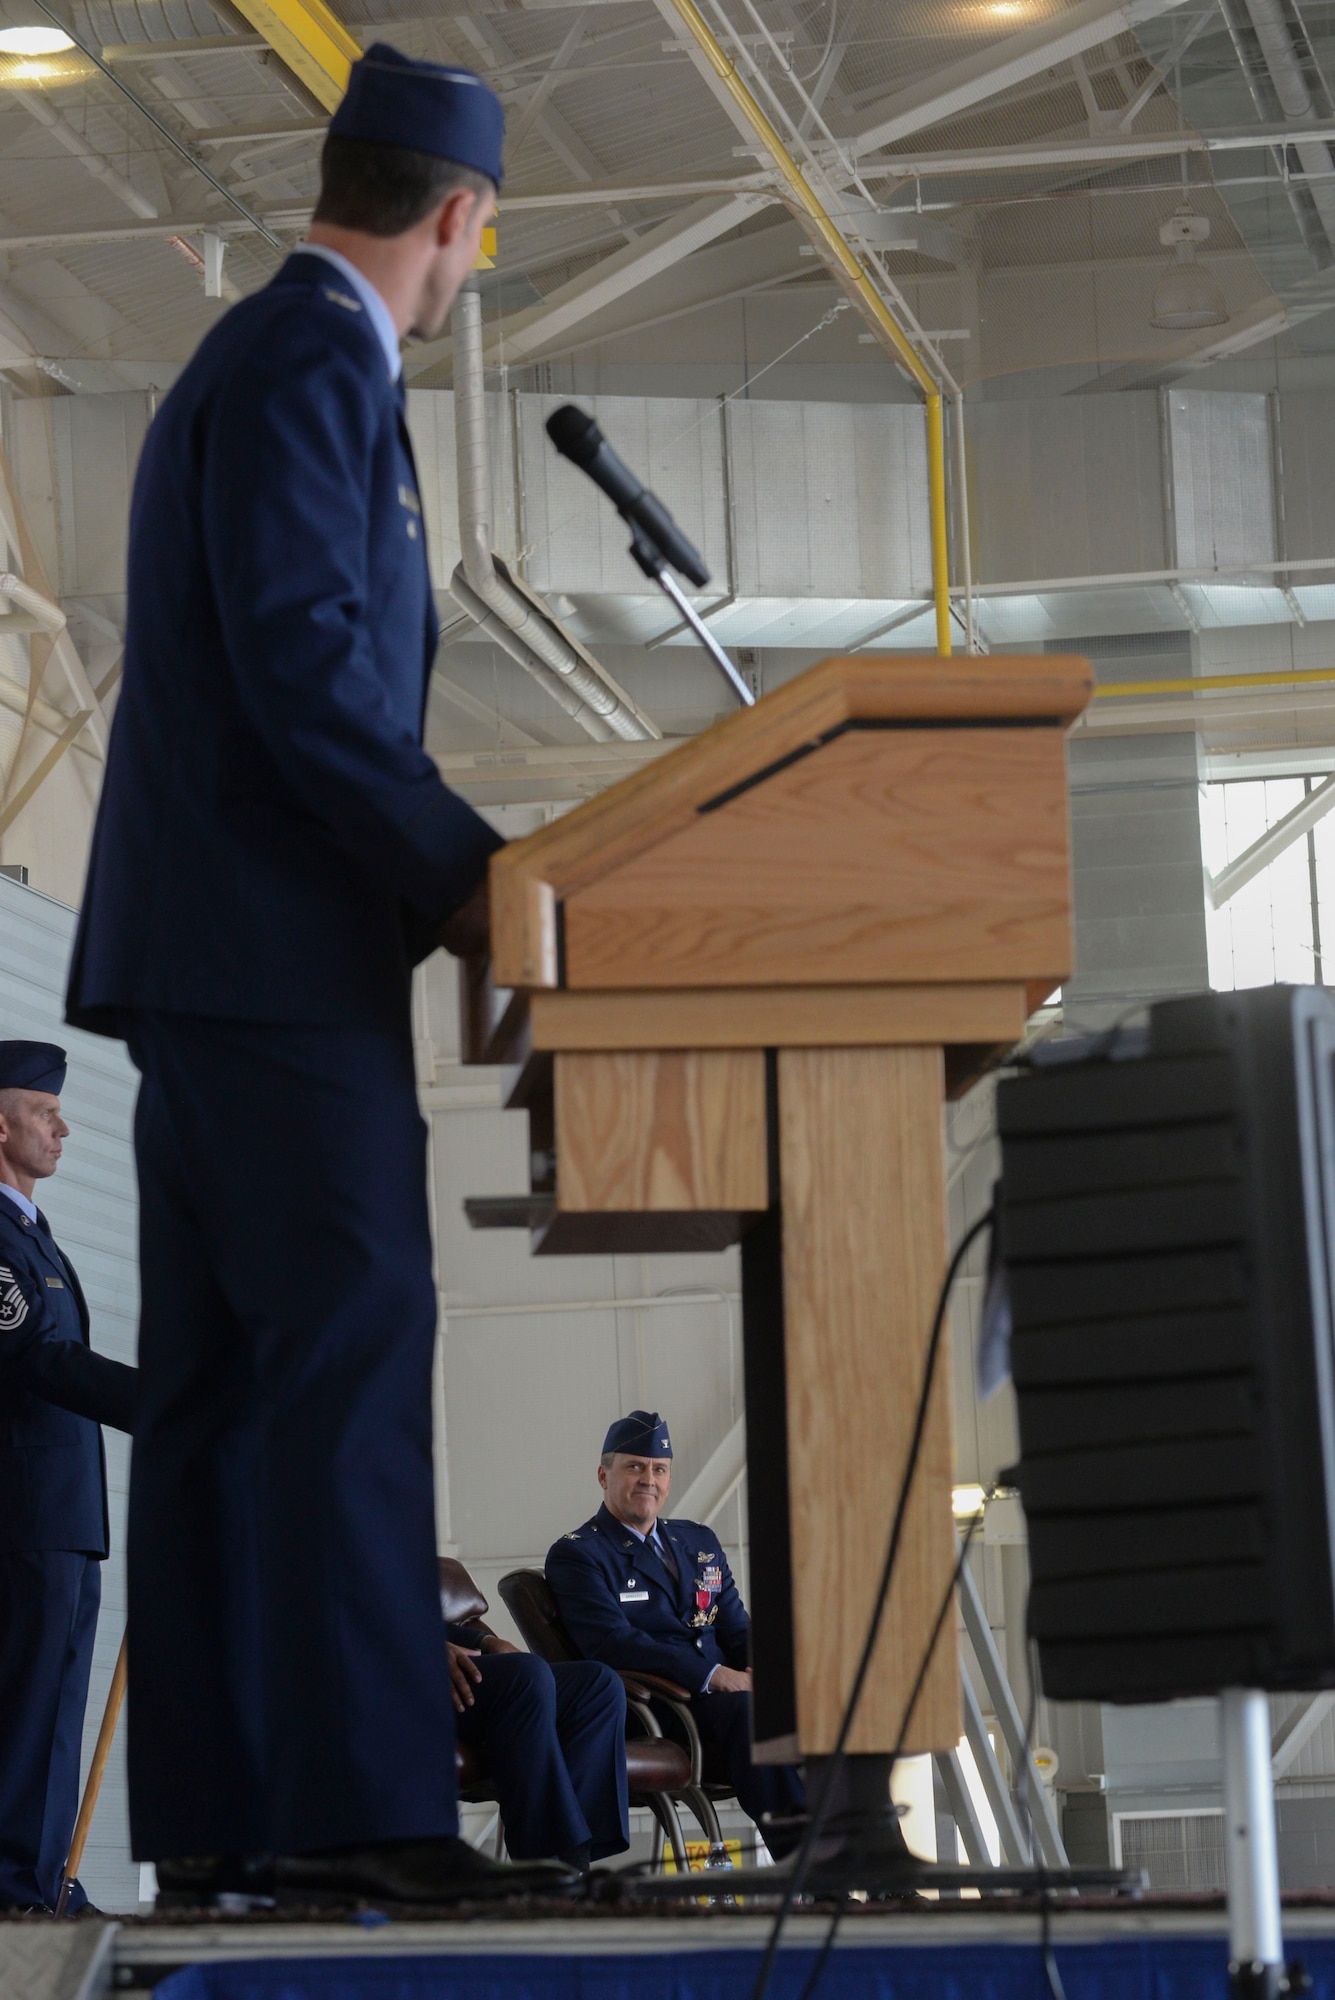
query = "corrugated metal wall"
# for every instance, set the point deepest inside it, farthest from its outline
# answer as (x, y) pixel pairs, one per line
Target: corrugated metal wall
(91, 1203)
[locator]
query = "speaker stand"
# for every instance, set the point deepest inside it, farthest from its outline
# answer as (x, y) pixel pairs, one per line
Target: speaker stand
(1256, 1968)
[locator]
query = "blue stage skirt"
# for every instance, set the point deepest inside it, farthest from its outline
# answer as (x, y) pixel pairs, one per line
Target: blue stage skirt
(1154, 1968)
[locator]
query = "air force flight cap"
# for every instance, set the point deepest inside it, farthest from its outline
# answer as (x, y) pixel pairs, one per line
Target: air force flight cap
(642, 1431)
(32, 1066)
(394, 100)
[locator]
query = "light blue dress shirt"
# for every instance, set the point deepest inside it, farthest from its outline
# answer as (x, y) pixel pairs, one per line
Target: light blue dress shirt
(380, 316)
(20, 1200)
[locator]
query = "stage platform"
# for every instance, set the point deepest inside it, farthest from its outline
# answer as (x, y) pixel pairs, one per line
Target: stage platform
(1155, 1950)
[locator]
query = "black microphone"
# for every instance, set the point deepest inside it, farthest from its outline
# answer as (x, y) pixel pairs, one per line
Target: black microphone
(577, 437)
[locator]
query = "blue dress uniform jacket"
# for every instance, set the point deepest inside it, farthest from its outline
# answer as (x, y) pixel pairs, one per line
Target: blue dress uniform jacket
(274, 850)
(54, 1394)
(273, 843)
(620, 1604)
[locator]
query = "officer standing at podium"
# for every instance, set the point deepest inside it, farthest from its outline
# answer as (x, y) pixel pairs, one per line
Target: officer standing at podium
(54, 1394)
(274, 851)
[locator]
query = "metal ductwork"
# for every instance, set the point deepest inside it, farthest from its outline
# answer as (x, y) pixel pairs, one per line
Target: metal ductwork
(34, 613)
(1283, 87)
(495, 600)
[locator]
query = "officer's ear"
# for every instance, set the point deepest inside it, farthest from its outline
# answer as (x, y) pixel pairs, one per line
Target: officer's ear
(458, 214)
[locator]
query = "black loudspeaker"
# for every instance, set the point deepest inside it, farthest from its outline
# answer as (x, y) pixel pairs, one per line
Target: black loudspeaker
(1167, 1219)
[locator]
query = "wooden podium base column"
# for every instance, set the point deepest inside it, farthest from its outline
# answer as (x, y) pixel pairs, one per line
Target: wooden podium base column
(840, 1284)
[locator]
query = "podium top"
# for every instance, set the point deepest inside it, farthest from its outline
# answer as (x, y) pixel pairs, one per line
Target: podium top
(905, 698)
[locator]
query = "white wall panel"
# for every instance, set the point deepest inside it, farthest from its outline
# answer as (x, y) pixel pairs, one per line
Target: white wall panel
(1065, 487)
(831, 500)
(1223, 478)
(96, 441)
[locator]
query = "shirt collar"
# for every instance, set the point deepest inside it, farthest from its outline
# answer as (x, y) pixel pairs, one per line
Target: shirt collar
(381, 318)
(20, 1200)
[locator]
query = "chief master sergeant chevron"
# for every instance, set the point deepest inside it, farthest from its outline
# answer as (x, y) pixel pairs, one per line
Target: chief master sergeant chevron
(651, 1596)
(274, 851)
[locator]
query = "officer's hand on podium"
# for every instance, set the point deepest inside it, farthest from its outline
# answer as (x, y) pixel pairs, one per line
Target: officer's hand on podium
(730, 1680)
(463, 1673)
(468, 932)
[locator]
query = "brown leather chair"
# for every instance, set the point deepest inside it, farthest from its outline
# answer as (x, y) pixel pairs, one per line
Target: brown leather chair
(658, 1770)
(528, 1598)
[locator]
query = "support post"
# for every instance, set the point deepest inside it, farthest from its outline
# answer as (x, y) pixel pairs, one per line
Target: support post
(936, 496)
(1255, 1951)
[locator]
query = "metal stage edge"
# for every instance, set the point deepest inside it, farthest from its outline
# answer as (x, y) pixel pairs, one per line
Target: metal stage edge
(136, 1954)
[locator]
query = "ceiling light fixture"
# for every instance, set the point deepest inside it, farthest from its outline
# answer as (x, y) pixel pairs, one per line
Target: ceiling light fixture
(1186, 296)
(34, 41)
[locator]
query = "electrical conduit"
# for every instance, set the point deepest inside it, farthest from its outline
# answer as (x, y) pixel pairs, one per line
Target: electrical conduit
(490, 597)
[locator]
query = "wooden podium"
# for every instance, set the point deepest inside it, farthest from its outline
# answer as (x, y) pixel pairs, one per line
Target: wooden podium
(733, 992)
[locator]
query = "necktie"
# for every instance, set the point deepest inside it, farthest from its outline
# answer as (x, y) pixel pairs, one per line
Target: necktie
(666, 1557)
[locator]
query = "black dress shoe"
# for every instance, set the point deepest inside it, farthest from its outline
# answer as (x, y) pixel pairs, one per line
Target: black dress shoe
(213, 1881)
(446, 1870)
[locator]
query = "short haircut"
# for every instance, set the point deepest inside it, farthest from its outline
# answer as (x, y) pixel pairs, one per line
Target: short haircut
(606, 1460)
(386, 190)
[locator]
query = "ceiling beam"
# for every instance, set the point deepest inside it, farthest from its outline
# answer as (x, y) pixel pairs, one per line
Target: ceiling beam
(524, 334)
(227, 135)
(92, 162)
(999, 67)
(187, 45)
(546, 84)
(762, 263)
(1085, 149)
(310, 39)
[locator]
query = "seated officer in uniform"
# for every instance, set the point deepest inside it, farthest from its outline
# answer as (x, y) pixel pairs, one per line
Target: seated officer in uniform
(54, 1393)
(554, 1742)
(658, 1596)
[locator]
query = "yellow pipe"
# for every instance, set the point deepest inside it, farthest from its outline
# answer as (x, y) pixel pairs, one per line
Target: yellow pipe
(859, 284)
(1211, 682)
(936, 500)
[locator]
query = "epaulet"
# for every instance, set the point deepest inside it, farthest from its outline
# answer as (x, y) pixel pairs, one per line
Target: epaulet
(344, 299)
(573, 1536)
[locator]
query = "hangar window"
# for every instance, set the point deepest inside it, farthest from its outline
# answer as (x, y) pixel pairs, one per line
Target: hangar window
(1279, 924)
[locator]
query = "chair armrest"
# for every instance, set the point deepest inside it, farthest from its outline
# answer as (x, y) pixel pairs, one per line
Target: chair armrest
(650, 1684)
(641, 1689)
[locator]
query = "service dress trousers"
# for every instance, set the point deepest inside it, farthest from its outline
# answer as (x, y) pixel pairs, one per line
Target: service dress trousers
(287, 1657)
(554, 1742)
(49, 1601)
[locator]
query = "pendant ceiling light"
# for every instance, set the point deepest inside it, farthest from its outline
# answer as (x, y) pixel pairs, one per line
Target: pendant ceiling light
(1185, 295)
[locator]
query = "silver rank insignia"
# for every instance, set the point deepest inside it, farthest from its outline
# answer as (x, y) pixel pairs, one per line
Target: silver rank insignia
(342, 299)
(13, 1305)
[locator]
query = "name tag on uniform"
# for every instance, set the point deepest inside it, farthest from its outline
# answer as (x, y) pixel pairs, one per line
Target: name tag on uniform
(57, 1284)
(634, 1597)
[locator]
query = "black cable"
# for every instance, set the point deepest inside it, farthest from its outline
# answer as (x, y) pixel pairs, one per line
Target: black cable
(1051, 1970)
(813, 1979)
(815, 1826)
